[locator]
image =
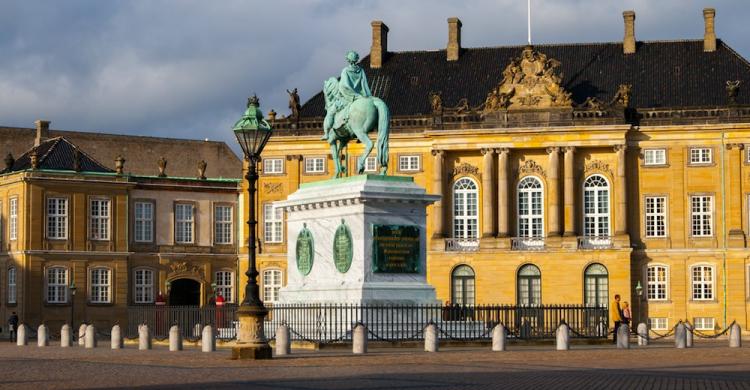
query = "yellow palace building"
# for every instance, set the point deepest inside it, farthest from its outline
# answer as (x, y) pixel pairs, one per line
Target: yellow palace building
(568, 172)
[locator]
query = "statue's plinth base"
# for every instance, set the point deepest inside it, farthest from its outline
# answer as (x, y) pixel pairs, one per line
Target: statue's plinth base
(251, 341)
(246, 352)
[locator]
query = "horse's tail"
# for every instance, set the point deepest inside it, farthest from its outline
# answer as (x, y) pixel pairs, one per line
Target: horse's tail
(384, 120)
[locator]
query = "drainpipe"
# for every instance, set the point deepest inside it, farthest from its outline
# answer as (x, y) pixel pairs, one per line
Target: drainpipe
(724, 226)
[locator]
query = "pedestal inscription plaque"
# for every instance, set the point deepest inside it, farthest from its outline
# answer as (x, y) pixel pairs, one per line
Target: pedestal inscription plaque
(395, 248)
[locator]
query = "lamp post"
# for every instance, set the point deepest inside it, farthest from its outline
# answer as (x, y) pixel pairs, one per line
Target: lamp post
(72, 288)
(252, 132)
(639, 293)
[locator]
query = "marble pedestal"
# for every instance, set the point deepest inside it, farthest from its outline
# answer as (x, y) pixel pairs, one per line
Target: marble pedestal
(359, 202)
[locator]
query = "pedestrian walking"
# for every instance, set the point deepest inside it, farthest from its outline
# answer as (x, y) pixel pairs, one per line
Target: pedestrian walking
(616, 313)
(626, 314)
(13, 326)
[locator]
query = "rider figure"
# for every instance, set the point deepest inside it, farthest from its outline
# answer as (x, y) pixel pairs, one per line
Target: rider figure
(352, 85)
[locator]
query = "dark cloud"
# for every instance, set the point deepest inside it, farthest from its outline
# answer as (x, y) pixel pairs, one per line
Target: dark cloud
(184, 68)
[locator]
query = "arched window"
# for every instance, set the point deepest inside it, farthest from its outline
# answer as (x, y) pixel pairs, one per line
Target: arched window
(703, 282)
(12, 285)
(530, 209)
(465, 209)
(596, 286)
(596, 206)
(462, 282)
(143, 290)
(656, 282)
(271, 285)
(529, 286)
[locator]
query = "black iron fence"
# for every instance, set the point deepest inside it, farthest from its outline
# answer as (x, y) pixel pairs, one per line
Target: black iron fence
(328, 323)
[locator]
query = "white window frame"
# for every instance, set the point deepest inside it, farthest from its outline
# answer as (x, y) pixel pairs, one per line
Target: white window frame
(100, 285)
(273, 224)
(704, 323)
(653, 283)
(371, 164)
(702, 220)
(655, 218)
(185, 222)
(530, 217)
(700, 155)
(658, 323)
(409, 163)
(2, 232)
(12, 285)
(143, 226)
(143, 285)
(223, 224)
(273, 166)
(271, 290)
(225, 285)
(702, 288)
(465, 191)
(315, 164)
(100, 218)
(56, 290)
(598, 217)
(13, 216)
(655, 157)
(57, 222)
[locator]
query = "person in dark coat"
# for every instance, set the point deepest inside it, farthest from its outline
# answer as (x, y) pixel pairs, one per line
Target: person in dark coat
(13, 326)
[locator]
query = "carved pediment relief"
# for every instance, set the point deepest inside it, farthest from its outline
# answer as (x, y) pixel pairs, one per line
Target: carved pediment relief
(597, 166)
(529, 82)
(465, 169)
(530, 167)
(183, 267)
(272, 188)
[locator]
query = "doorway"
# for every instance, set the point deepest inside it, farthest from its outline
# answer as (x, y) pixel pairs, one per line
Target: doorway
(184, 292)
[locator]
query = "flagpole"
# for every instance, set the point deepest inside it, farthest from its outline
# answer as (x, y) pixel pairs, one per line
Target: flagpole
(528, 24)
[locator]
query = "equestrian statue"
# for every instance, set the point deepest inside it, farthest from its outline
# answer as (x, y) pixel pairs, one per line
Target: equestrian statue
(351, 113)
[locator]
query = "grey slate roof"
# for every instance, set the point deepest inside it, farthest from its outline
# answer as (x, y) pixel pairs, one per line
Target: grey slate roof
(59, 154)
(670, 74)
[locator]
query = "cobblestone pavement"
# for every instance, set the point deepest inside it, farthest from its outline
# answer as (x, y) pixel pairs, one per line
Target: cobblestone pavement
(707, 366)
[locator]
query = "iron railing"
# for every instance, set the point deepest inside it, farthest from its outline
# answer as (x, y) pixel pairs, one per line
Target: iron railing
(594, 242)
(331, 323)
(527, 243)
(461, 244)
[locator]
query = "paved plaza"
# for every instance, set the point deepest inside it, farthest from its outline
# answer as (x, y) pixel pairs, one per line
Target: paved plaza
(707, 366)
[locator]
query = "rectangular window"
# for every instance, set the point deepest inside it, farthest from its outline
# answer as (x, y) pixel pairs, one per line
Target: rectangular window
(657, 283)
(408, 163)
(656, 216)
(701, 215)
(314, 164)
(700, 156)
(57, 285)
(13, 215)
(99, 211)
(57, 218)
(273, 220)
(703, 282)
(144, 222)
(224, 282)
(371, 164)
(100, 285)
(273, 166)
(12, 285)
(223, 224)
(658, 323)
(704, 323)
(144, 286)
(271, 285)
(655, 156)
(184, 223)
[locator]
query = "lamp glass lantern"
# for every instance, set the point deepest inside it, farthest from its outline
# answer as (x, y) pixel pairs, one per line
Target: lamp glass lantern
(252, 131)
(639, 289)
(72, 288)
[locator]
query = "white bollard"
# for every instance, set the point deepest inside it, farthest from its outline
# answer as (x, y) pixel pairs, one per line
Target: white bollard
(115, 340)
(144, 338)
(562, 335)
(679, 335)
(431, 343)
(498, 338)
(208, 339)
(22, 335)
(81, 334)
(688, 336)
(175, 339)
(359, 339)
(90, 337)
(42, 338)
(283, 345)
(735, 336)
(65, 337)
(623, 337)
(642, 334)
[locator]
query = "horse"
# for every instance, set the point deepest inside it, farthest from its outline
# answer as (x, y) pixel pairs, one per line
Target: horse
(364, 114)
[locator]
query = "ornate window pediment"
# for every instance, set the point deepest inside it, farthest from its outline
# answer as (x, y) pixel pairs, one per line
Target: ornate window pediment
(465, 169)
(530, 167)
(597, 166)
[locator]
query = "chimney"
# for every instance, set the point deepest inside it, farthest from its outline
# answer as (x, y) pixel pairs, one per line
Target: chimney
(42, 131)
(379, 44)
(454, 38)
(628, 43)
(709, 37)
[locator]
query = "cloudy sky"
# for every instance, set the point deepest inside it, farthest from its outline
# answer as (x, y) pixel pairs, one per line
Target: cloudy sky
(183, 68)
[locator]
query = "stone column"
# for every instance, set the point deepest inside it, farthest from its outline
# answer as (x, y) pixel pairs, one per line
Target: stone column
(488, 194)
(734, 196)
(438, 231)
(569, 193)
(621, 218)
(554, 192)
(502, 192)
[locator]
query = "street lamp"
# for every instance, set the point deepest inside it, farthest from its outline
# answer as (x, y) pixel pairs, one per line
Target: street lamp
(252, 132)
(72, 289)
(639, 292)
